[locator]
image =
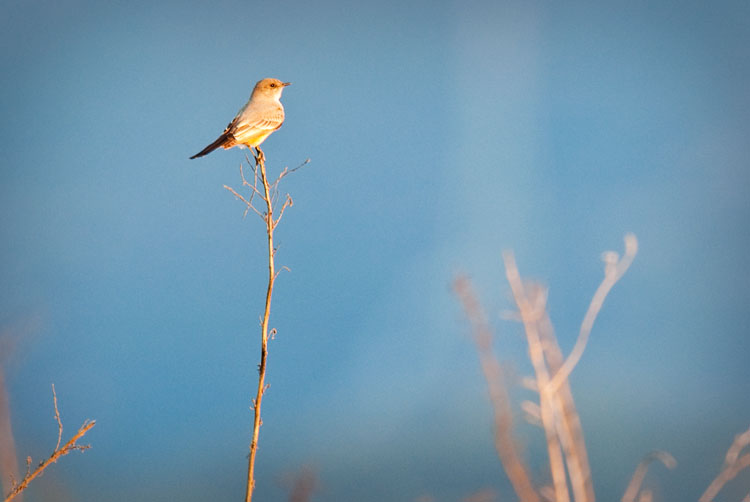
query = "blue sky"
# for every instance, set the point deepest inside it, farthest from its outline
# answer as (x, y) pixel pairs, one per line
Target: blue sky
(439, 135)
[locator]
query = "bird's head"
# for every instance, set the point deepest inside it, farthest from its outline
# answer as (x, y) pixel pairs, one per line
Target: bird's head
(270, 87)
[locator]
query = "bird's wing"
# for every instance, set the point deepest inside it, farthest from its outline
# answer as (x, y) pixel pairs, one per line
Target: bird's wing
(265, 122)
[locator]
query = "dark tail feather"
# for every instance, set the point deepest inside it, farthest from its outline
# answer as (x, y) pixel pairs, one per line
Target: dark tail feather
(213, 146)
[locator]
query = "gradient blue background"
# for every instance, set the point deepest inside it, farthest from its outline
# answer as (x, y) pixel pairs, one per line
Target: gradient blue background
(440, 134)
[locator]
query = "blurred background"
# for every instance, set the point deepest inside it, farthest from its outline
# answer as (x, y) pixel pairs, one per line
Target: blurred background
(440, 134)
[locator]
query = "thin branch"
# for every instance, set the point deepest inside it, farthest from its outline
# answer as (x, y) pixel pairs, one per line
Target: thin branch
(273, 192)
(504, 441)
(640, 473)
(530, 315)
(268, 194)
(287, 203)
(70, 446)
(567, 420)
(733, 464)
(260, 165)
(57, 417)
(646, 496)
(248, 203)
(533, 413)
(8, 463)
(288, 171)
(614, 270)
(557, 410)
(739, 443)
(254, 186)
(279, 271)
(727, 474)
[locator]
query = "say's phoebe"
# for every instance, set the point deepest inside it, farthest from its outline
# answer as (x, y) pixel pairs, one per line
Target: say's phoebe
(255, 121)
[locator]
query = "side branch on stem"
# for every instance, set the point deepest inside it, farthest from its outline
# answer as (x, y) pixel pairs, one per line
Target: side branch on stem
(614, 269)
(70, 446)
(640, 472)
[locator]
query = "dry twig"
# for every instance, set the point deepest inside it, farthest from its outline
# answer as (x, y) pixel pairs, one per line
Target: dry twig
(614, 269)
(733, 464)
(530, 315)
(70, 446)
(8, 465)
(556, 410)
(269, 195)
(646, 496)
(640, 472)
(568, 421)
(503, 415)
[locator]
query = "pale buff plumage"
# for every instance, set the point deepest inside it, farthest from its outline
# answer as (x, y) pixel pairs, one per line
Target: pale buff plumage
(261, 116)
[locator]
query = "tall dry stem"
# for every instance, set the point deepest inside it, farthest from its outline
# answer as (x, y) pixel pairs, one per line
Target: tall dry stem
(505, 443)
(556, 410)
(268, 195)
(568, 421)
(531, 313)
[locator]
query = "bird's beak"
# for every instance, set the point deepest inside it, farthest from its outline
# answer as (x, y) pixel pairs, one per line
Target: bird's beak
(286, 84)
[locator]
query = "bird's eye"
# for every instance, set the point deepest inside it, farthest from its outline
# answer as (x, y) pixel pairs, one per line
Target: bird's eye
(273, 85)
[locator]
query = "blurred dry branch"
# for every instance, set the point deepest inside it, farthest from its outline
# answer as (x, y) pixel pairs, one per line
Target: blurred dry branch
(631, 492)
(733, 464)
(531, 303)
(304, 485)
(646, 496)
(487, 495)
(425, 498)
(615, 267)
(555, 411)
(505, 443)
(11, 335)
(269, 196)
(70, 446)
(8, 465)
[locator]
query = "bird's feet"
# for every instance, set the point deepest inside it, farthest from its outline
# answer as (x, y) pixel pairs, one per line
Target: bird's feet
(259, 156)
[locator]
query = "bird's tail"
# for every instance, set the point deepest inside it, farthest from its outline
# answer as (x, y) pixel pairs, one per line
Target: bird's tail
(220, 141)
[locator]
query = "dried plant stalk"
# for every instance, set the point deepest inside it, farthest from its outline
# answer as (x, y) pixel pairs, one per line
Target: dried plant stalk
(530, 316)
(70, 446)
(733, 464)
(646, 496)
(568, 421)
(614, 270)
(268, 195)
(503, 416)
(557, 410)
(631, 492)
(8, 465)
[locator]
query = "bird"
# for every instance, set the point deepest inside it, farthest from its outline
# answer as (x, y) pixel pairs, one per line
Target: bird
(262, 115)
